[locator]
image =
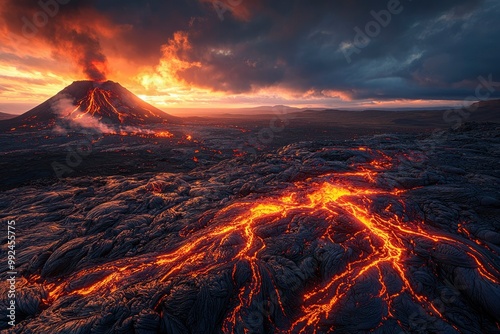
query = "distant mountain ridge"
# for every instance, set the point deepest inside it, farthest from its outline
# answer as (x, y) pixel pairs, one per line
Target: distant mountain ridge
(5, 116)
(488, 104)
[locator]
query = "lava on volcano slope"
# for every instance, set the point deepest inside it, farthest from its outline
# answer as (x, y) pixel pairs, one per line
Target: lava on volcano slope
(315, 239)
(107, 105)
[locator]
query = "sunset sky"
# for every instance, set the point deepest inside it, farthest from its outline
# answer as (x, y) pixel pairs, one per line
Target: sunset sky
(243, 53)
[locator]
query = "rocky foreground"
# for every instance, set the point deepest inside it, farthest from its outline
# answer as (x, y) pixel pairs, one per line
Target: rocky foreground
(384, 234)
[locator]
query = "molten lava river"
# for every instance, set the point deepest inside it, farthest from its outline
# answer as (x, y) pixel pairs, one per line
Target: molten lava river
(334, 249)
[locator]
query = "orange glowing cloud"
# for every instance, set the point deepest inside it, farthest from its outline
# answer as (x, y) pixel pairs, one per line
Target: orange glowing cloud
(189, 63)
(342, 95)
(64, 31)
(166, 73)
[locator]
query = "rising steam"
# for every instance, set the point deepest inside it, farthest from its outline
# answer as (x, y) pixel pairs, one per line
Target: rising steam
(64, 107)
(73, 118)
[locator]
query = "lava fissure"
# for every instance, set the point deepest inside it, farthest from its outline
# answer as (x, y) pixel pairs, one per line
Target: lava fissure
(200, 253)
(300, 259)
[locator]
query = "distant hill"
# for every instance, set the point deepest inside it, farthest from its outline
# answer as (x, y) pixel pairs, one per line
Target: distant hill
(4, 116)
(485, 111)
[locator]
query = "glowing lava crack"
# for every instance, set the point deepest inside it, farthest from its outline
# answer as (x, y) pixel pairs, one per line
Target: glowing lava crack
(373, 247)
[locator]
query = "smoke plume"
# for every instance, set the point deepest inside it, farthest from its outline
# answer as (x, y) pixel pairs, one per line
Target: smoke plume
(67, 26)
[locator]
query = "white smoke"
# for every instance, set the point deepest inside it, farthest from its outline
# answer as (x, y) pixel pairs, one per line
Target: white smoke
(65, 108)
(71, 117)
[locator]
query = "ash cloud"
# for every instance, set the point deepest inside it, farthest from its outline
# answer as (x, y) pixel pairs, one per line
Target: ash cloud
(68, 27)
(89, 55)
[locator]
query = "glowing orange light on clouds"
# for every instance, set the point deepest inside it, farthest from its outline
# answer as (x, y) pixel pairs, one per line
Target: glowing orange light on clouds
(160, 84)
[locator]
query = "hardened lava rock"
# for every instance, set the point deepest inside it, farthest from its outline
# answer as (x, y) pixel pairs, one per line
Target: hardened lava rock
(384, 234)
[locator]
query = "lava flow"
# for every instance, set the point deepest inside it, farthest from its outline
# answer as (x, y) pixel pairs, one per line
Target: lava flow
(101, 103)
(372, 246)
(387, 238)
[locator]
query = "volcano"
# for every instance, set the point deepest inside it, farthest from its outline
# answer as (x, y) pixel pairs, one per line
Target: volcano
(87, 102)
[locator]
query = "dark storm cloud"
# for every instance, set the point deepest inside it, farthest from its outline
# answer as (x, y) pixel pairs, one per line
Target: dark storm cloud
(424, 51)
(431, 49)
